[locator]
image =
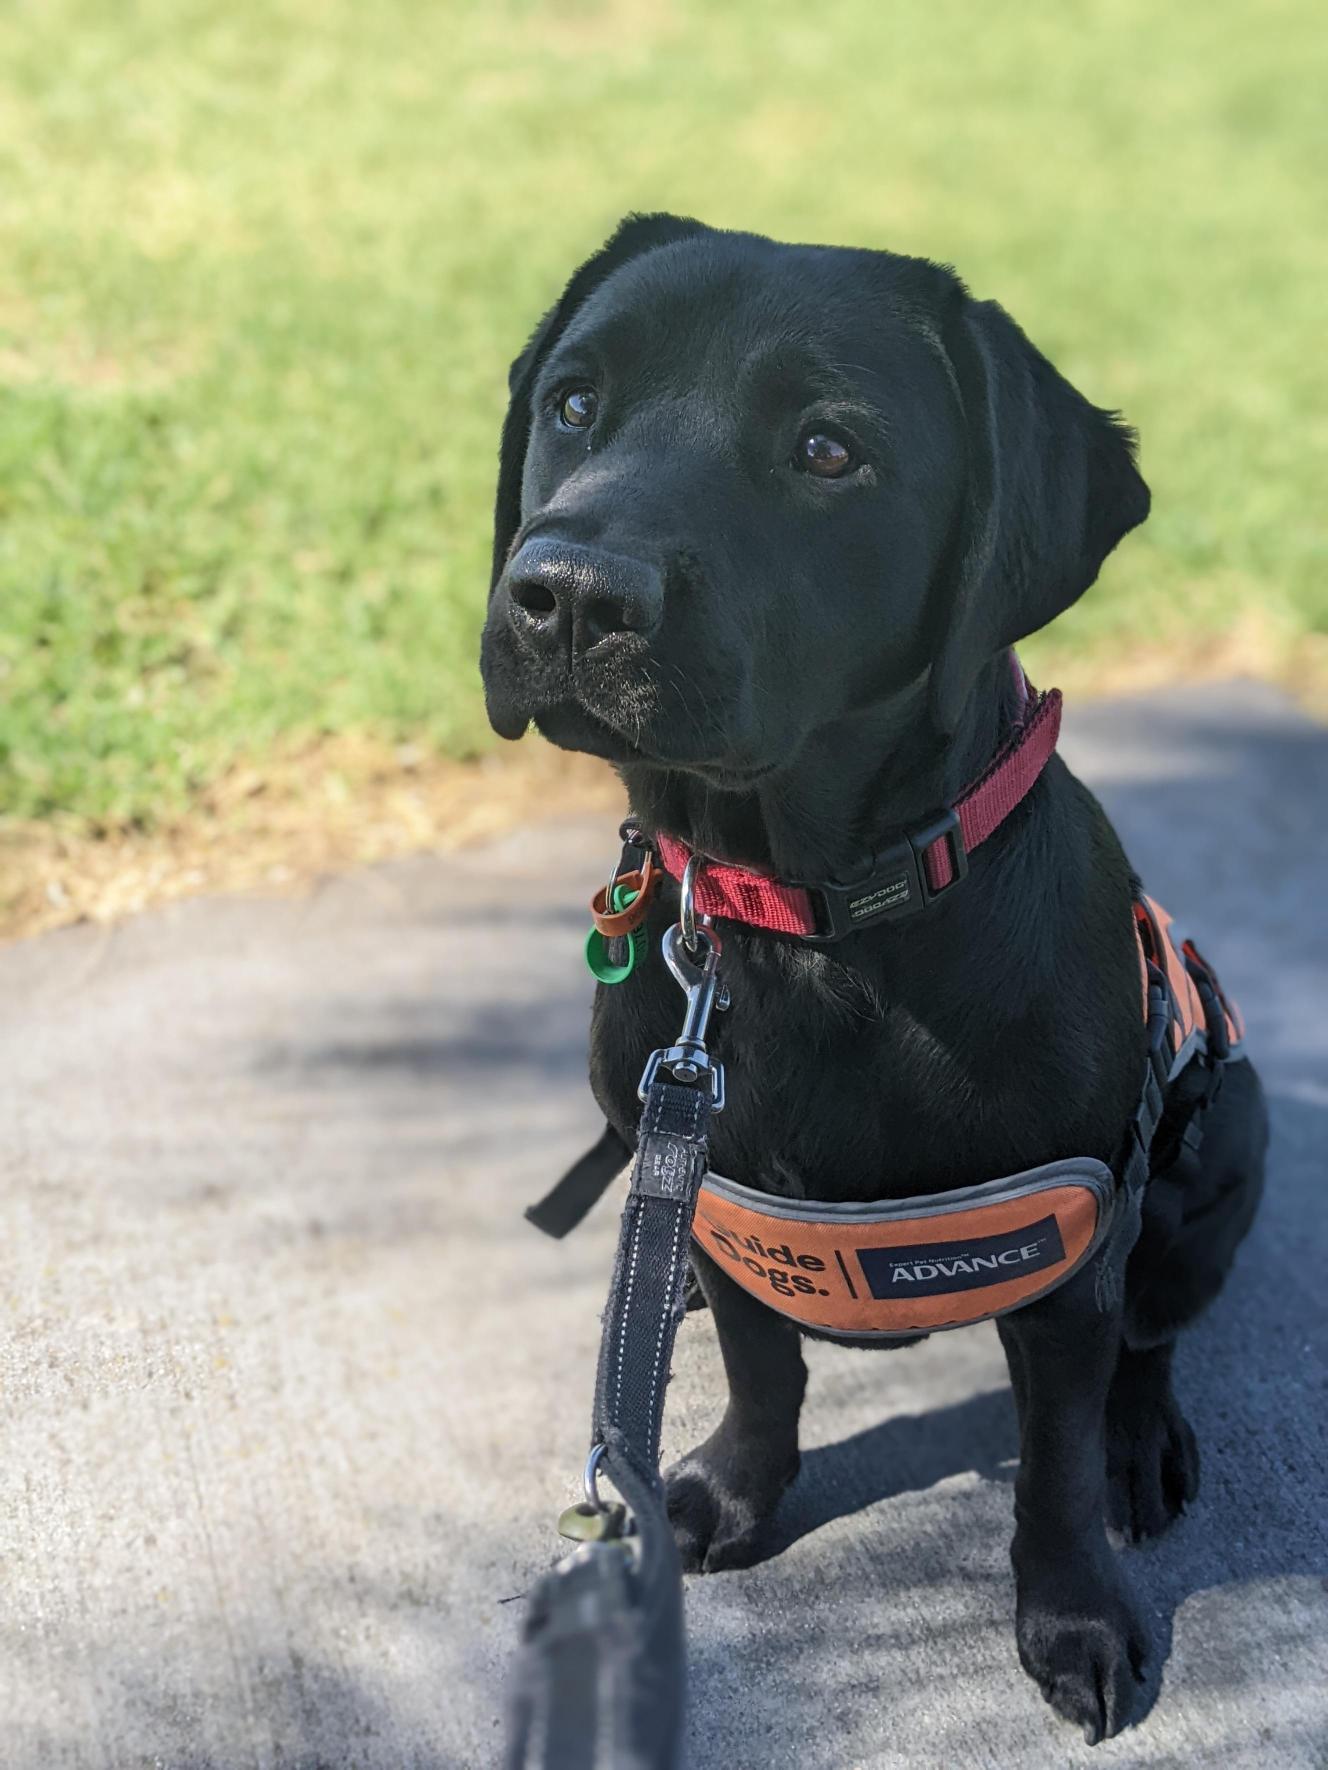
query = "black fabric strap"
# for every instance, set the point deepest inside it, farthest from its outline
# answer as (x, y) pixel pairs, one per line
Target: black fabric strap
(583, 1185)
(1173, 1106)
(647, 1294)
(1152, 1098)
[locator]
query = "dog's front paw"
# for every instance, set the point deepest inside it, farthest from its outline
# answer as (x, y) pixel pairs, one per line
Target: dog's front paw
(719, 1507)
(1152, 1473)
(1086, 1653)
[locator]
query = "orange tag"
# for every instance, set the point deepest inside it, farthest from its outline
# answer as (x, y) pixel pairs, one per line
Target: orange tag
(613, 924)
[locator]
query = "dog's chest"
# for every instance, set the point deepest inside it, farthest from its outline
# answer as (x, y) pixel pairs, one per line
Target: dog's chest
(837, 1089)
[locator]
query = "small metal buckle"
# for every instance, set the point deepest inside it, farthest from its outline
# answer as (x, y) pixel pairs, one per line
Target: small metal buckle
(635, 848)
(695, 1064)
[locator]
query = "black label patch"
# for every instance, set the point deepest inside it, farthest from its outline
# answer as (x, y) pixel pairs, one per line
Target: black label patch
(934, 1268)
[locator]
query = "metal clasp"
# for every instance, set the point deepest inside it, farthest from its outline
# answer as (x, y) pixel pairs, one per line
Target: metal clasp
(688, 1060)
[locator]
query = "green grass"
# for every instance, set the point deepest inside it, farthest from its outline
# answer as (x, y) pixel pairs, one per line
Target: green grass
(264, 266)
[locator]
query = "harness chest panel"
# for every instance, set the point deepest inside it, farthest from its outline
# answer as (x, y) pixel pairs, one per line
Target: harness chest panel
(901, 1267)
(908, 1266)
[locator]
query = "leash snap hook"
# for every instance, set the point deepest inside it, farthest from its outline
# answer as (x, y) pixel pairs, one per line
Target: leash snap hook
(687, 1060)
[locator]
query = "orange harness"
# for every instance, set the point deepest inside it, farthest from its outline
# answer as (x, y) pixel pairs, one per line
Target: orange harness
(909, 1266)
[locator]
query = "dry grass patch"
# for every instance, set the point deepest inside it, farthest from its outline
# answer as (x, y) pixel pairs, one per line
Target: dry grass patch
(315, 809)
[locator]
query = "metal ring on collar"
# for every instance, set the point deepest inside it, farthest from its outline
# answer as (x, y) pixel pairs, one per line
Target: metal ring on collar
(687, 903)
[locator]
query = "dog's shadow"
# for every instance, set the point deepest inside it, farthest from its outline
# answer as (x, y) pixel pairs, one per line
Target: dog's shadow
(902, 1455)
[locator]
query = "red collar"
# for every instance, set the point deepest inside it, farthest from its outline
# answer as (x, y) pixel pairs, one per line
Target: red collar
(905, 877)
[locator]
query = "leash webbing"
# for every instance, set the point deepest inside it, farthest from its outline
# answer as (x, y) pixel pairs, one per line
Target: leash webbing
(601, 1672)
(650, 1274)
(600, 1676)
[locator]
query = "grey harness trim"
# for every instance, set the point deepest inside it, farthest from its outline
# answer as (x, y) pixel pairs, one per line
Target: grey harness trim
(1079, 1170)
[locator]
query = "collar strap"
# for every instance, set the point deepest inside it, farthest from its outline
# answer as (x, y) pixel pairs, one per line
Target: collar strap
(905, 877)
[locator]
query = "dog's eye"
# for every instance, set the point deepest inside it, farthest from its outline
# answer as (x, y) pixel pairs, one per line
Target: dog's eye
(823, 455)
(579, 408)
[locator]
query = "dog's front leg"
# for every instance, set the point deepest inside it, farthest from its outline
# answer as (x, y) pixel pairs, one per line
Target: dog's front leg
(1081, 1637)
(722, 1493)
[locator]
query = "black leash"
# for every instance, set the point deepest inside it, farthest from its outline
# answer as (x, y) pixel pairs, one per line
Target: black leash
(600, 1676)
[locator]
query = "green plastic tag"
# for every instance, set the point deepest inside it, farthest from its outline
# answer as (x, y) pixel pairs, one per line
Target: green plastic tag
(630, 945)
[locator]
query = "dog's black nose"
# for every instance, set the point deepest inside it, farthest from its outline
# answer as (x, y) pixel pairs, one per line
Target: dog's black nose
(562, 593)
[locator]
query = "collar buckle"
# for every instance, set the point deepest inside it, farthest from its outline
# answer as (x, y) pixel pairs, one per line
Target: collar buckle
(896, 887)
(944, 827)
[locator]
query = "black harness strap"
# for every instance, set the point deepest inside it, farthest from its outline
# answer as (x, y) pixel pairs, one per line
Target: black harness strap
(1169, 1112)
(583, 1185)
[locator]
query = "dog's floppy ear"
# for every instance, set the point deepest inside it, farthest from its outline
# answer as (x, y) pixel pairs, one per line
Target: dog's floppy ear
(1052, 488)
(635, 235)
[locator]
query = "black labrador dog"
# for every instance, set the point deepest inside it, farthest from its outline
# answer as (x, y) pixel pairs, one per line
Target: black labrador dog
(769, 518)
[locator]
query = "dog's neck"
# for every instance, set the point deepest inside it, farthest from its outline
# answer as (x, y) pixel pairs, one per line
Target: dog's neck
(853, 785)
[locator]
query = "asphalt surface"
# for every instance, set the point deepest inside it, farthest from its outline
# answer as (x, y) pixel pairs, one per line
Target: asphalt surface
(292, 1395)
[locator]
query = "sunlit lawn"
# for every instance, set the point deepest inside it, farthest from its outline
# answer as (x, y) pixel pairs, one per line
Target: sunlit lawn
(262, 268)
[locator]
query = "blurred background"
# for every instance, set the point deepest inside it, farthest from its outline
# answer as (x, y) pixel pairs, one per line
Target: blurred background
(264, 267)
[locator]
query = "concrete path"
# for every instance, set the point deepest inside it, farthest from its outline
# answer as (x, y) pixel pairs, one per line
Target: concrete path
(292, 1395)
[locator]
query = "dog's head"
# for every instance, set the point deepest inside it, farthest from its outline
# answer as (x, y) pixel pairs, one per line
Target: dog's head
(748, 488)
